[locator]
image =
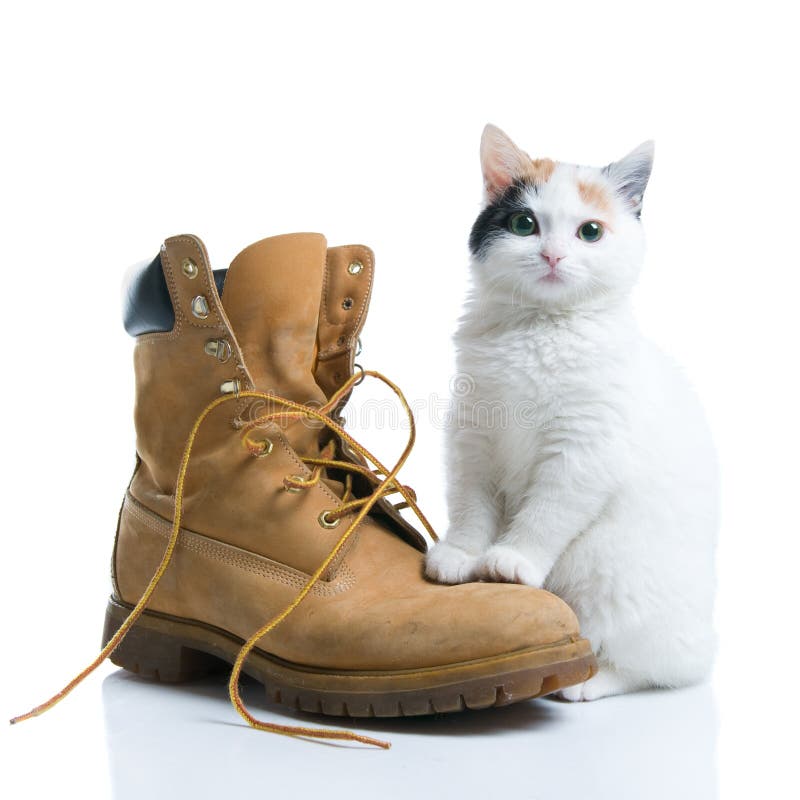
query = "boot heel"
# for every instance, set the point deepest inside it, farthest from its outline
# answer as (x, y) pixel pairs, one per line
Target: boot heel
(154, 654)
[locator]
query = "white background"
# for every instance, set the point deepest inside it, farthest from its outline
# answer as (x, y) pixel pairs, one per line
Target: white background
(124, 124)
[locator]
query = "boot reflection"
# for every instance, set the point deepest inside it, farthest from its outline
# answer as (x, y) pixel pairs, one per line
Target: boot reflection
(185, 740)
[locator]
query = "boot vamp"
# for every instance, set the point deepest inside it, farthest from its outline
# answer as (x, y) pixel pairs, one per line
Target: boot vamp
(376, 612)
(391, 617)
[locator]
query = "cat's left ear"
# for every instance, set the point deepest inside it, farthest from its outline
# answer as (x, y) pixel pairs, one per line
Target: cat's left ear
(630, 174)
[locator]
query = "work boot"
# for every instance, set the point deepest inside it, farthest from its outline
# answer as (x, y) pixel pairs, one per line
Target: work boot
(241, 376)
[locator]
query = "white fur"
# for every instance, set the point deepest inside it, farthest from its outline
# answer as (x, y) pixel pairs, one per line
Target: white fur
(596, 478)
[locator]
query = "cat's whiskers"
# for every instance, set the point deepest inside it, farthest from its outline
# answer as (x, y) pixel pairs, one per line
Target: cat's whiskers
(487, 295)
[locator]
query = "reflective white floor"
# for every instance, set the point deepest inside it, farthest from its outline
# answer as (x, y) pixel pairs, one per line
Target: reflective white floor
(186, 741)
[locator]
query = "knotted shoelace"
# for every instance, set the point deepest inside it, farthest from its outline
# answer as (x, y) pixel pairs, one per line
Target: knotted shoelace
(361, 506)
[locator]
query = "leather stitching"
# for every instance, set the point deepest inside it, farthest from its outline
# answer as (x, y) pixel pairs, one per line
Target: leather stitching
(210, 299)
(338, 563)
(221, 324)
(354, 323)
(249, 562)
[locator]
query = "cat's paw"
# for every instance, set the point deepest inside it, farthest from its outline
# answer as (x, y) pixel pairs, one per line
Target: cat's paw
(573, 694)
(447, 563)
(607, 682)
(508, 565)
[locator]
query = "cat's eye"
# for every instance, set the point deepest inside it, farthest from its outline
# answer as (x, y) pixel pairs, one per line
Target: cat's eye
(523, 224)
(590, 231)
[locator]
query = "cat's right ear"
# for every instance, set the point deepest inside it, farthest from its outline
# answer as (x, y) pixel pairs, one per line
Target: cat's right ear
(502, 162)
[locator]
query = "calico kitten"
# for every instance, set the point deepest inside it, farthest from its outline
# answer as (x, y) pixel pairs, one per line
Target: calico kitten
(599, 482)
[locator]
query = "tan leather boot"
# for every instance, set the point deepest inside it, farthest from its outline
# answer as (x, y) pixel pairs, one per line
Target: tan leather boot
(372, 636)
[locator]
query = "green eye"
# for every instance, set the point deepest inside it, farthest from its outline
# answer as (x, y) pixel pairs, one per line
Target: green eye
(590, 231)
(523, 224)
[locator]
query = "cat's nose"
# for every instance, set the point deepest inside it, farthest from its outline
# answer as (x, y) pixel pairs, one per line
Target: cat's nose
(551, 259)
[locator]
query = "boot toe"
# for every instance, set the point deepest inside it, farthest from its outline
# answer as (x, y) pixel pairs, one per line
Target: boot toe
(489, 619)
(434, 627)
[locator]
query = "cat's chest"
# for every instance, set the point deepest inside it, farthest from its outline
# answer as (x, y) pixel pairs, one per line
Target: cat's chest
(547, 367)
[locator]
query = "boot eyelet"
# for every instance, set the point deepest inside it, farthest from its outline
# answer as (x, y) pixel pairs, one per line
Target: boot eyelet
(266, 448)
(294, 489)
(219, 348)
(230, 387)
(347, 303)
(200, 307)
(355, 267)
(189, 268)
(328, 523)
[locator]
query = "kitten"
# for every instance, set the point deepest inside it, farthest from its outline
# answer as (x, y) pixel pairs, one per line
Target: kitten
(599, 480)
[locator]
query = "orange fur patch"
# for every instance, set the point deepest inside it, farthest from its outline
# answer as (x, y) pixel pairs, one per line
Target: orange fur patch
(540, 170)
(594, 195)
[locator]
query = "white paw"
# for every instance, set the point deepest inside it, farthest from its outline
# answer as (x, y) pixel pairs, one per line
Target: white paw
(574, 694)
(607, 682)
(447, 563)
(506, 564)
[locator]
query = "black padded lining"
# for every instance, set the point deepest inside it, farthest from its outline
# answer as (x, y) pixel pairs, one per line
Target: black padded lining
(147, 306)
(219, 280)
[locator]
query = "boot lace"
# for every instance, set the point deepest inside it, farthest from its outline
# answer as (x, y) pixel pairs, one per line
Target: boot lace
(384, 481)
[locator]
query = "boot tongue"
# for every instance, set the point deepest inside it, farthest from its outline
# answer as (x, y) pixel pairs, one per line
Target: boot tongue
(272, 297)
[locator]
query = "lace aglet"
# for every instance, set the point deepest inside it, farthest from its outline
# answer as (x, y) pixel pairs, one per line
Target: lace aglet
(39, 710)
(23, 717)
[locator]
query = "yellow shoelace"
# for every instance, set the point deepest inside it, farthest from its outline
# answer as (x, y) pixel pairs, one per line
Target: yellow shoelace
(383, 486)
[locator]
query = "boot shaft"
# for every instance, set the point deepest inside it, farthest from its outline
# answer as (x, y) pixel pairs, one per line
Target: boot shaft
(287, 322)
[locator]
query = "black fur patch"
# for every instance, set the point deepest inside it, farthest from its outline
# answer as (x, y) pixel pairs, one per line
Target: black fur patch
(492, 221)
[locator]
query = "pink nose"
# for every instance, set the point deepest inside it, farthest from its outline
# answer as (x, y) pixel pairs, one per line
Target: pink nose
(551, 259)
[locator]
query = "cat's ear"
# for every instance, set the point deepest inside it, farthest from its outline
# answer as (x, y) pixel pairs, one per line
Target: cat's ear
(630, 174)
(501, 161)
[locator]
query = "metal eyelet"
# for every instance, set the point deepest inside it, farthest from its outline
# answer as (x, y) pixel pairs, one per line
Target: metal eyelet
(189, 268)
(328, 523)
(294, 489)
(347, 303)
(219, 348)
(355, 267)
(200, 307)
(266, 448)
(230, 387)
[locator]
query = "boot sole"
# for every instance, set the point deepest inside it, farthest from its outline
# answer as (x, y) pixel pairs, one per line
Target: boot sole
(172, 650)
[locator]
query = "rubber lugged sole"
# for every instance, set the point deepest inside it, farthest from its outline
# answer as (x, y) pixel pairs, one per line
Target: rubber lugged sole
(173, 650)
